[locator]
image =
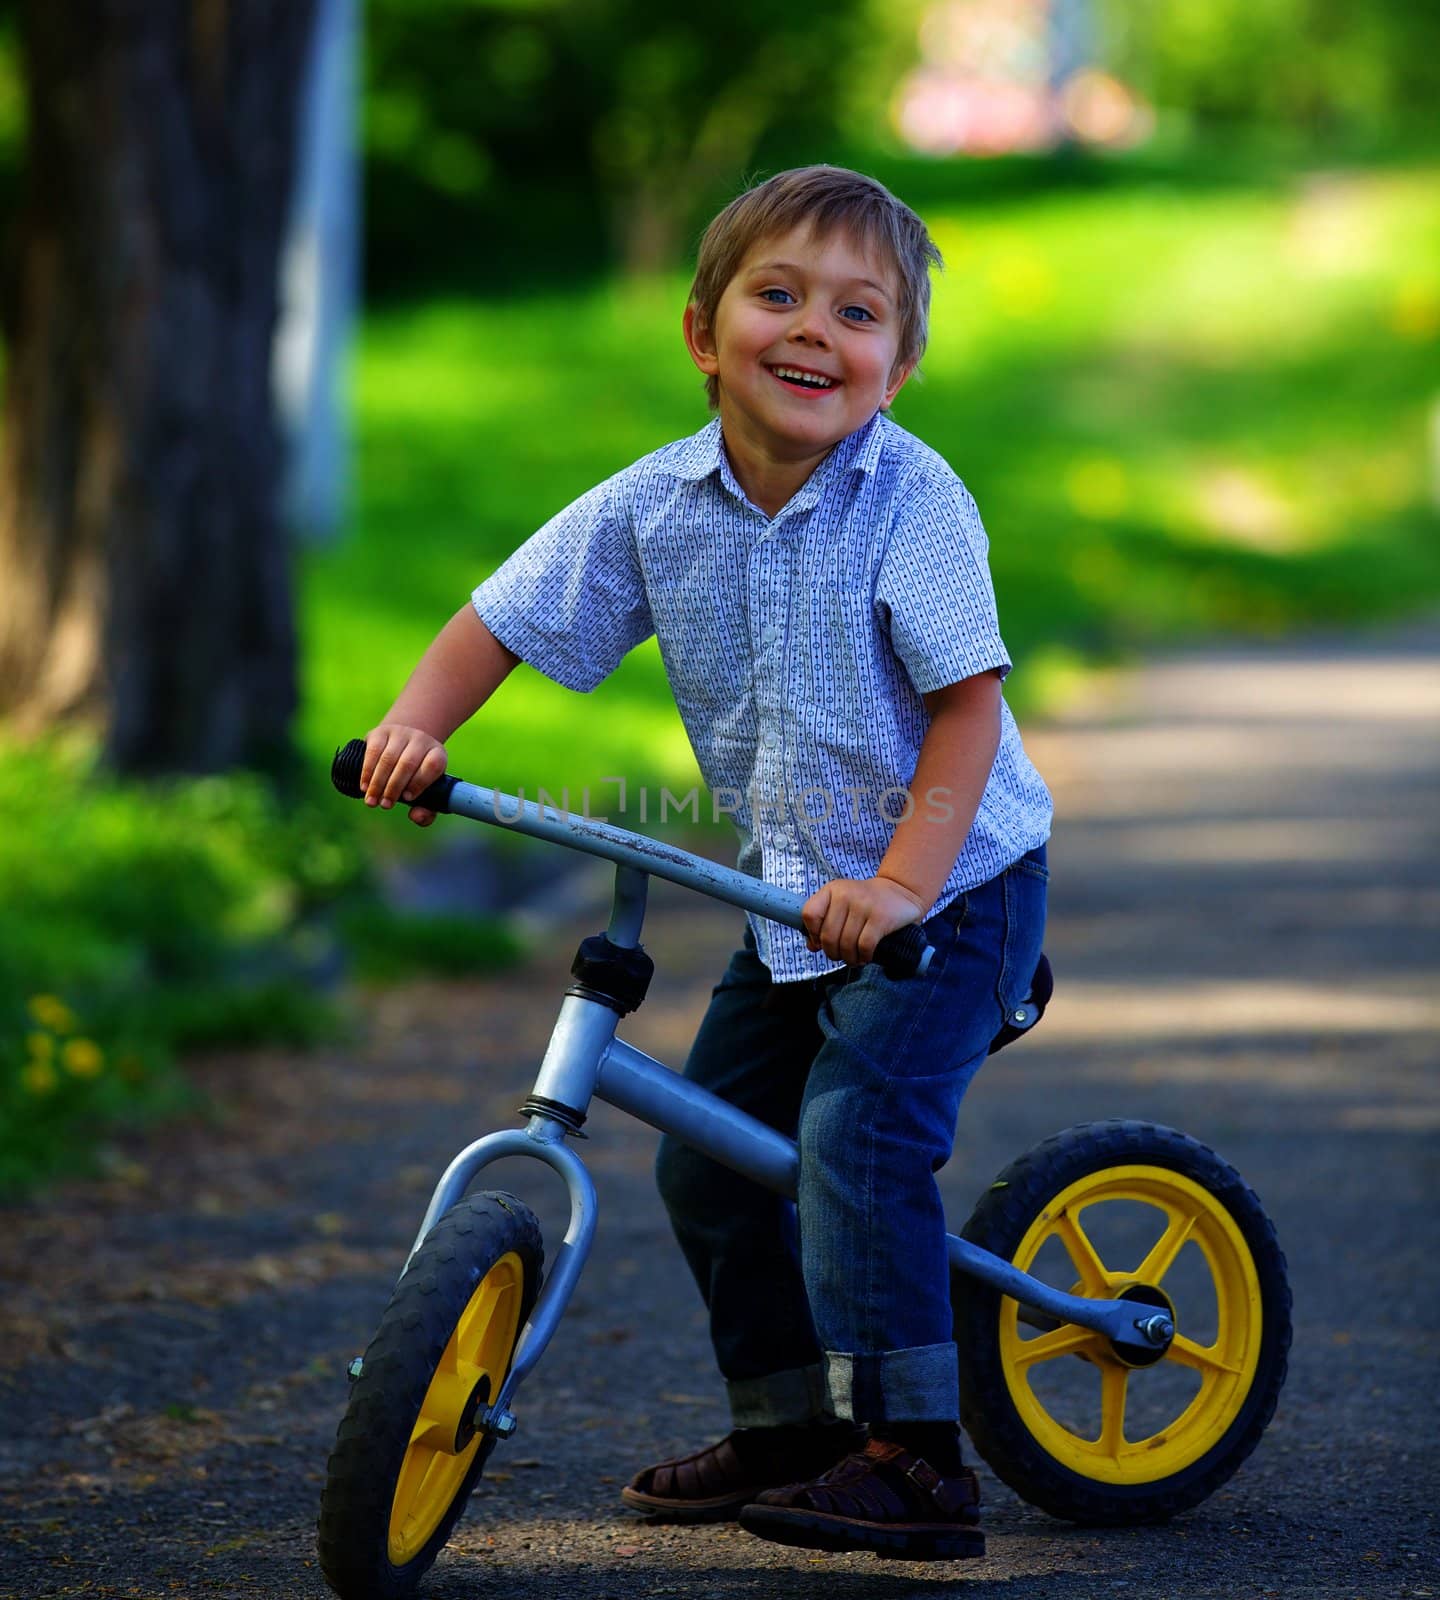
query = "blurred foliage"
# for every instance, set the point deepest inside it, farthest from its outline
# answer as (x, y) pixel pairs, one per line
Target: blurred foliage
(523, 138)
(386, 945)
(519, 142)
(144, 920)
(515, 141)
(1317, 73)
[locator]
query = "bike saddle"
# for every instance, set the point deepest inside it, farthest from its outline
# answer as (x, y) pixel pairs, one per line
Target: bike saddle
(1023, 1017)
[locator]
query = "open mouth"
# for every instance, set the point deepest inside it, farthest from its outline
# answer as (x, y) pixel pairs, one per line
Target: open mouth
(798, 378)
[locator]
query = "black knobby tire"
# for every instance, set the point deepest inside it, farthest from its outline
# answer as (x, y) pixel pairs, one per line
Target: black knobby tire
(482, 1235)
(1026, 1447)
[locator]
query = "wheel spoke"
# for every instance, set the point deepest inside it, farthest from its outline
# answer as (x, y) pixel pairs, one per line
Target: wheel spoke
(413, 1469)
(1065, 1340)
(1113, 1380)
(1205, 1360)
(1169, 1245)
(1081, 1252)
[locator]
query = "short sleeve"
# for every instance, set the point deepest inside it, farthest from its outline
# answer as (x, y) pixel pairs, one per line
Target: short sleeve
(571, 600)
(935, 591)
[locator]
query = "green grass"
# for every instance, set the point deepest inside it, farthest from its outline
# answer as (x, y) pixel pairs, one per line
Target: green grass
(147, 920)
(1182, 413)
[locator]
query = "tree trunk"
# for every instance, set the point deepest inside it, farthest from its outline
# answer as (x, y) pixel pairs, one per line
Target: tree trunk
(146, 574)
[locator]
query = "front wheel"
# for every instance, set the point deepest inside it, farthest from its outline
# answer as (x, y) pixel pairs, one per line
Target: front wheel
(407, 1453)
(1123, 1210)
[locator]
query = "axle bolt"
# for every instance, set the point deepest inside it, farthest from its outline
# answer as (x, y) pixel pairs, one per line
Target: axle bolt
(500, 1423)
(1158, 1329)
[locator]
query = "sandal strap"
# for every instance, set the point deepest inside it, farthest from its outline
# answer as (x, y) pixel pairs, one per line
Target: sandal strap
(949, 1495)
(713, 1469)
(886, 1483)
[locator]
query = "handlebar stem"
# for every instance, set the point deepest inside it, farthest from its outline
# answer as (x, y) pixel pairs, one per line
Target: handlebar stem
(628, 909)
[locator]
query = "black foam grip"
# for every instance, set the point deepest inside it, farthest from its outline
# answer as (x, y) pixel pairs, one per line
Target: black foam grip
(345, 769)
(905, 953)
(350, 761)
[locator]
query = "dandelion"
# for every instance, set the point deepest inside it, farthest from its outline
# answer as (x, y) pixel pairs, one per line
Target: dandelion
(51, 1012)
(38, 1077)
(41, 1046)
(82, 1058)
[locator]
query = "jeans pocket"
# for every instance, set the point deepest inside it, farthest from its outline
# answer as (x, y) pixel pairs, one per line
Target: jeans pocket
(1025, 885)
(953, 916)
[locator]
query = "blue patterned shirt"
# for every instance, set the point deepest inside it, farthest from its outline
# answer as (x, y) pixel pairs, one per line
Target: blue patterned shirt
(797, 646)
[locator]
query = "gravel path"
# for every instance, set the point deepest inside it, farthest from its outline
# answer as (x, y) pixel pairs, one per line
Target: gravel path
(1246, 926)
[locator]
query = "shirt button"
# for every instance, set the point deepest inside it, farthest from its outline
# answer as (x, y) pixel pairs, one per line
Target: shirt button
(770, 738)
(780, 840)
(770, 636)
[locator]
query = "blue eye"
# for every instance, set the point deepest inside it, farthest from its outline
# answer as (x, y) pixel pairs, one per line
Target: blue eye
(766, 293)
(860, 314)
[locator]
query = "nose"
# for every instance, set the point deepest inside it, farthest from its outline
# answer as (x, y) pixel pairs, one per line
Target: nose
(808, 328)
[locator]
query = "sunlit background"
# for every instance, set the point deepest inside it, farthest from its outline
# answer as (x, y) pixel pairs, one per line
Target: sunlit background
(1184, 353)
(1184, 350)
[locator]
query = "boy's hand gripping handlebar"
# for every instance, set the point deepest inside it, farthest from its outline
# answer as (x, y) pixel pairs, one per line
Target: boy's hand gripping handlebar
(902, 954)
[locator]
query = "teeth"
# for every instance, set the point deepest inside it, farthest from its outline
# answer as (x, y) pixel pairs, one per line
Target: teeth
(795, 374)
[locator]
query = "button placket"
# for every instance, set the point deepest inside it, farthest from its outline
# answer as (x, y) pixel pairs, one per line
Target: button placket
(770, 601)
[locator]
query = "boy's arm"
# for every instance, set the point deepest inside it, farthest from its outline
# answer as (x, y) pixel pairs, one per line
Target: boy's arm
(848, 917)
(405, 754)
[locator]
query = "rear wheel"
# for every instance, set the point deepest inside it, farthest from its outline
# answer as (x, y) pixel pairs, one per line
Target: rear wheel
(1136, 1211)
(408, 1453)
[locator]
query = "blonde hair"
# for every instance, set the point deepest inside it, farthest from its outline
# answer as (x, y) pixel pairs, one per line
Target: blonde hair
(828, 198)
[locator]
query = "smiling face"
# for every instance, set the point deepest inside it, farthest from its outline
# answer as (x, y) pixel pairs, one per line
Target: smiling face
(804, 345)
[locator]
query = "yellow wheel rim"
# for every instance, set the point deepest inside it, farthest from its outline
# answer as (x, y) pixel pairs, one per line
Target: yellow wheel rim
(432, 1472)
(1184, 1214)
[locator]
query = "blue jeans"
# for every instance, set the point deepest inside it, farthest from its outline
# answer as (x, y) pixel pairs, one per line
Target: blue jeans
(840, 1304)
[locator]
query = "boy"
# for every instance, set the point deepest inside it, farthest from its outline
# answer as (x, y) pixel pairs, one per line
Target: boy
(817, 581)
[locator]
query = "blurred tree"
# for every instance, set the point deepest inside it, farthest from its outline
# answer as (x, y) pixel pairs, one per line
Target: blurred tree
(510, 139)
(587, 127)
(685, 93)
(146, 572)
(1325, 71)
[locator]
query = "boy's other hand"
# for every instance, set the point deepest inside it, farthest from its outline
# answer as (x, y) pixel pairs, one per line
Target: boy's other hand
(401, 763)
(848, 917)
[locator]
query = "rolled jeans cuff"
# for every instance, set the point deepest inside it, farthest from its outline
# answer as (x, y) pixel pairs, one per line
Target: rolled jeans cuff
(778, 1399)
(921, 1384)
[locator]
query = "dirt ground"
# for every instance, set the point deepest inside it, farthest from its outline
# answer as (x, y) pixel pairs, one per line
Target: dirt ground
(1246, 930)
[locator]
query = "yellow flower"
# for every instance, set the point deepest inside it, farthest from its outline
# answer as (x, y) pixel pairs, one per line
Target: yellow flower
(82, 1058)
(38, 1077)
(51, 1012)
(41, 1046)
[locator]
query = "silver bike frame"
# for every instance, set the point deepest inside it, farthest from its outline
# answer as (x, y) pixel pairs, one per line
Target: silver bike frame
(584, 1060)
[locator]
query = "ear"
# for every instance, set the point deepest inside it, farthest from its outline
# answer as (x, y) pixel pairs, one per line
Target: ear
(898, 379)
(700, 342)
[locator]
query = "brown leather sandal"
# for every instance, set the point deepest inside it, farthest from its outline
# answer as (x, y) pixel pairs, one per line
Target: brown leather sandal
(882, 1499)
(711, 1484)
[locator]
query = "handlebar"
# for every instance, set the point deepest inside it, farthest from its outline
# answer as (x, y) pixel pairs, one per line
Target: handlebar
(902, 954)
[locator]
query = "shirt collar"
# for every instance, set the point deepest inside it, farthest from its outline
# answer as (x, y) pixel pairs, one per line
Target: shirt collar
(703, 453)
(699, 455)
